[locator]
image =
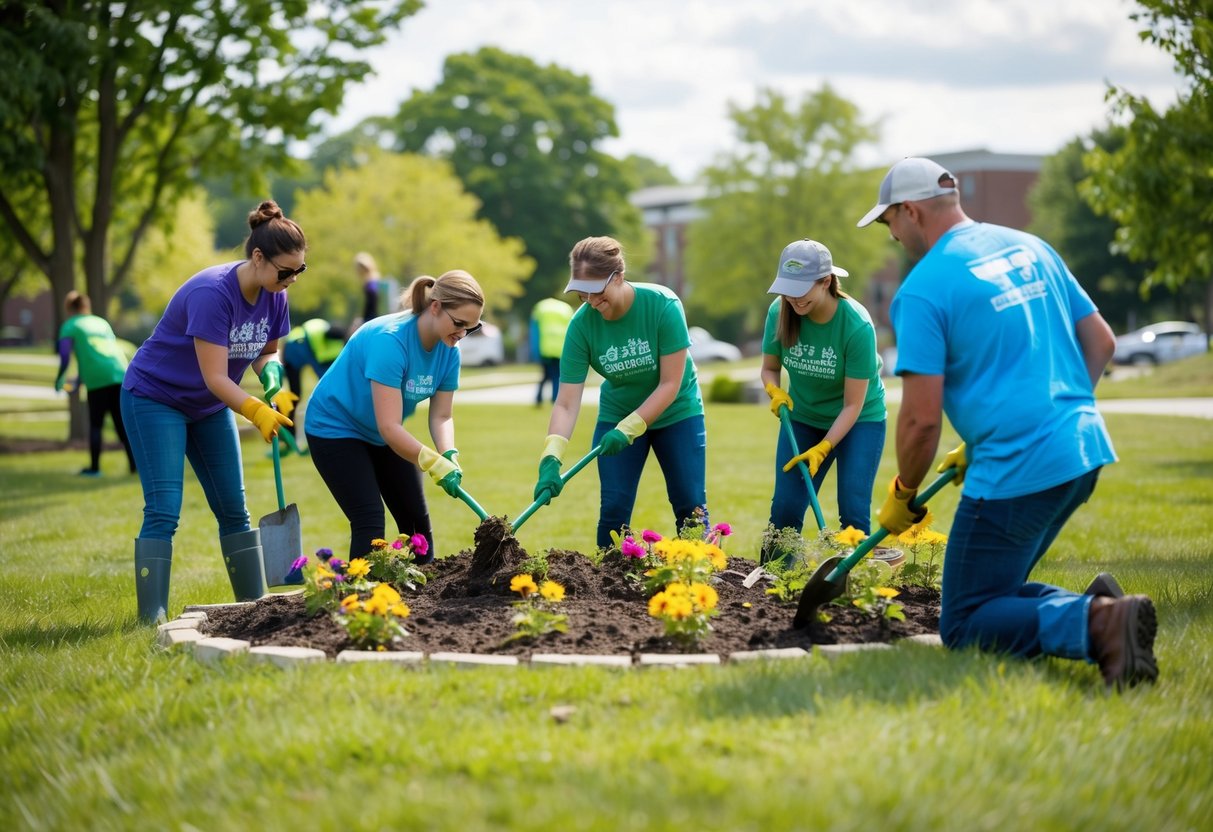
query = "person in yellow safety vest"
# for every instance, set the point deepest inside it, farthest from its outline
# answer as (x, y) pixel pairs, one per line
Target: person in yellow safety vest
(549, 322)
(315, 343)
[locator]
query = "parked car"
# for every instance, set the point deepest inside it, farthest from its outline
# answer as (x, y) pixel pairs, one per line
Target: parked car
(705, 348)
(483, 348)
(1161, 342)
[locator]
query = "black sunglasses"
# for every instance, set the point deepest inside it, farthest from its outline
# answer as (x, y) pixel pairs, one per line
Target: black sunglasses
(287, 274)
(463, 324)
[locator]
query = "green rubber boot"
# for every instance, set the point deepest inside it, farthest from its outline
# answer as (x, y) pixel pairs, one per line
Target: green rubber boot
(153, 560)
(245, 568)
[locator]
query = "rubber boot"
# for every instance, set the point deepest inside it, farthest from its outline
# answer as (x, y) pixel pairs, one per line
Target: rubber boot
(245, 567)
(153, 560)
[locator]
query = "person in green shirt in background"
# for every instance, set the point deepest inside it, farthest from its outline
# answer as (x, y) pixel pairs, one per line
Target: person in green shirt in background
(635, 336)
(549, 323)
(824, 338)
(102, 365)
(314, 343)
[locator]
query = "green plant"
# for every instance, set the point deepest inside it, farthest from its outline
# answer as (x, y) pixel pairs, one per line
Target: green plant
(683, 598)
(395, 562)
(789, 578)
(536, 615)
(329, 579)
(924, 557)
(536, 565)
(685, 610)
(374, 622)
(725, 390)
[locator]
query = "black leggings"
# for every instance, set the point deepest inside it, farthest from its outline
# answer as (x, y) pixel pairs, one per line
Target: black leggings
(362, 477)
(103, 400)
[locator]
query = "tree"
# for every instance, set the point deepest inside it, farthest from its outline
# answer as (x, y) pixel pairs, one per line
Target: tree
(413, 215)
(1158, 187)
(110, 110)
(648, 173)
(523, 138)
(793, 175)
(1084, 239)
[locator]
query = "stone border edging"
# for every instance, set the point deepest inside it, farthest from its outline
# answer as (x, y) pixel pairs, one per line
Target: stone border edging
(182, 634)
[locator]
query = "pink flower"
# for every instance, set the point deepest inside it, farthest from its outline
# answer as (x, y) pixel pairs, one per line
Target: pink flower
(398, 543)
(299, 562)
(420, 545)
(650, 536)
(631, 549)
(724, 528)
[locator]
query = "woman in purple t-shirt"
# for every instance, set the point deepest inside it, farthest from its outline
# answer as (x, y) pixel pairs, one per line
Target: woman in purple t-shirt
(180, 392)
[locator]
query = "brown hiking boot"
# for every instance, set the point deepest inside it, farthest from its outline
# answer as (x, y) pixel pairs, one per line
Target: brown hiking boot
(1105, 585)
(1122, 639)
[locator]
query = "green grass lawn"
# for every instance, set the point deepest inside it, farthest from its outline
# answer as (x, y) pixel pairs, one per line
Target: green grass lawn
(100, 731)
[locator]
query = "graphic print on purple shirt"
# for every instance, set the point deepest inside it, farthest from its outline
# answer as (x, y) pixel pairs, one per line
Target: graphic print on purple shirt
(209, 306)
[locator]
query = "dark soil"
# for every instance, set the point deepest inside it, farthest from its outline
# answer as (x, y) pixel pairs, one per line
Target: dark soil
(465, 608)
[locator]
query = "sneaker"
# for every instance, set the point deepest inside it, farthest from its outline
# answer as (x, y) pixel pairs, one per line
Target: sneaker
(90, 472)
(1104, 586)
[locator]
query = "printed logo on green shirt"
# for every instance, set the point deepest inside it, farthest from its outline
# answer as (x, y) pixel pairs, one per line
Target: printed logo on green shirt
(801, 358)
(636, 354)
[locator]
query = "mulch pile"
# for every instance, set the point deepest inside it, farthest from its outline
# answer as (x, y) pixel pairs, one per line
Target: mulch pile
(466, 607)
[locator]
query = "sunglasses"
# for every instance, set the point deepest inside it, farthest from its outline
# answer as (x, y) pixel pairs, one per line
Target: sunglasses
(463, 324)
(287, 274)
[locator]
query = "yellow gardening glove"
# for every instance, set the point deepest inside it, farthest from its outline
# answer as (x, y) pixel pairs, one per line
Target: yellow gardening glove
(623, 434)
(813, 457)
(897, 514)
(958, 459)
(285, 401)
(264, 417)
(441, 470)
(779, 398)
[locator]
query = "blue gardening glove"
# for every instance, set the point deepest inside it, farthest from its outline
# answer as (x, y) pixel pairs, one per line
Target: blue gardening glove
(813, 457)
(271, 379)
(623, 434)
(958, 459)
(897, 514)
(779, 398)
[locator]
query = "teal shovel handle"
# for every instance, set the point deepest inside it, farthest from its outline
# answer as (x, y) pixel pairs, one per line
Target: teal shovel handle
(786, 420)
(472, 504)
(564, 479)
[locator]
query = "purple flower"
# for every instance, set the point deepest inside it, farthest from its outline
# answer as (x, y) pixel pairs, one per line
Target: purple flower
(421, 546)
(299, 562)
(650, 536)
(324, 554)
(398, 543)
(724, 528)
(339, 578)
(337, 564)
(631, 549)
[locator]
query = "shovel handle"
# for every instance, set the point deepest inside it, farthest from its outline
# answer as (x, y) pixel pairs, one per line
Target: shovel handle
(786, 420)
(278, 470)
(472, 504)
(869, 543)
(564, 478)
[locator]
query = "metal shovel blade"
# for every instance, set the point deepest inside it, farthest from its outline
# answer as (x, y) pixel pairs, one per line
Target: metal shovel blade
(281, 545)
(819, 590)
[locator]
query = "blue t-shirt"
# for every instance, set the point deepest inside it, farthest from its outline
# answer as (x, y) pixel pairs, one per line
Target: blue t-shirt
(388, 350)
(209, 306)
(993, 310)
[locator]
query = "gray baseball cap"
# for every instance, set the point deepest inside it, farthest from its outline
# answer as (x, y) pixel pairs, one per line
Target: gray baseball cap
(802, 264)
(910, 179)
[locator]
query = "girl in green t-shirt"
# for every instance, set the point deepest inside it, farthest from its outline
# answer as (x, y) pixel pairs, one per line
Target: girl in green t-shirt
(826, 341)
(635, 336)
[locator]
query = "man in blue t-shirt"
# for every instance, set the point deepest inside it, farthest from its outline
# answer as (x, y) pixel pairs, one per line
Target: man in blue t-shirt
(993, 330)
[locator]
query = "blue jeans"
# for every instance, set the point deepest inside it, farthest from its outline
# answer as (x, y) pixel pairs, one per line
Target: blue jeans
(681, 451)
(858, 457)
(162, 437)
(987, 598)
(551, 373)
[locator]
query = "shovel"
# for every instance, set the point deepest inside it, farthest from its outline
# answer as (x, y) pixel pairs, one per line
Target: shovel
(564, 479)
(786, 421)
(281, 536)
(830, 579)
(472, 504)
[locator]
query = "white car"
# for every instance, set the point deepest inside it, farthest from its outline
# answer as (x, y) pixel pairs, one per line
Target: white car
(1161, 342)
(483, 348)
(705, 348)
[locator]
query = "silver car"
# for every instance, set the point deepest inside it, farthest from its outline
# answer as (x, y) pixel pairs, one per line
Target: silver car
(705, 348)
(1159, 343)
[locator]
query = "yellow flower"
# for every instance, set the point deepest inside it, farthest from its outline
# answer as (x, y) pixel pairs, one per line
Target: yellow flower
(399, 610)
(324, 583)
(358, 568)
(658, 604)
(524, 585)
(716, 556)
(679, 609)
(323, 571)
(378, 543)
(349, 603)
(705, 597)
(887, 592)
(552, 591)
(850, 536)
(908, 537)
(929, 536)
(385, 592)
(376, 605)
(678, 590)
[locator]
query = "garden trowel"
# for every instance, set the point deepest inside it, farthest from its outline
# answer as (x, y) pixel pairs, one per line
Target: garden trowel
(281, 536)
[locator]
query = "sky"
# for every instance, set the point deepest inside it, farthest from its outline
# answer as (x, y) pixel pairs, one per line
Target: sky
(1011, 76)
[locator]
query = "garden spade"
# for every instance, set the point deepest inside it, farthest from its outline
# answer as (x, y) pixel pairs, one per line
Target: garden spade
(830, 579)
(564, 479)
(786, 420)
(281, 536)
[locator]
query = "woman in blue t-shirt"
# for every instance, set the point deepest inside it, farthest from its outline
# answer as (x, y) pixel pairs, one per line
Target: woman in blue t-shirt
(824, 338)
(354, 418)
(182, 387)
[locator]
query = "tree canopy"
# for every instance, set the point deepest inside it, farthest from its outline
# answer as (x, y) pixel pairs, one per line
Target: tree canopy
(109, 111)
(412, 214)
(524, 139)
(793, 175)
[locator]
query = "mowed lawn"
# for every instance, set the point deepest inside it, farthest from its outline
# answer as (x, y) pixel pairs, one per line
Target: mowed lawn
(101, 731)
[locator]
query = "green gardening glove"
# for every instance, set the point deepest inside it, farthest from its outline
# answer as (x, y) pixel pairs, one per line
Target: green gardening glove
(623, 434)
(549, 485)
(271, 379)
(441, 470)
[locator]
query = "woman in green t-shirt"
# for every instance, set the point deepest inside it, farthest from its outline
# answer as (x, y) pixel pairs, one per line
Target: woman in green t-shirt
(635, 336)
(824, 338)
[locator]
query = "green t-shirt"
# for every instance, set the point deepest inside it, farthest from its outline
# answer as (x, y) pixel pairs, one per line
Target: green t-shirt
(823, 357)
(626, 353)
(101, 361)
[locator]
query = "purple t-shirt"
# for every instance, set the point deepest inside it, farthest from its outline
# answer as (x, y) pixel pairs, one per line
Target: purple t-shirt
(208, 306)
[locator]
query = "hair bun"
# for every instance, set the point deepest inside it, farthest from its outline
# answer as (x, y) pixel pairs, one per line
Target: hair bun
(265, 212)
